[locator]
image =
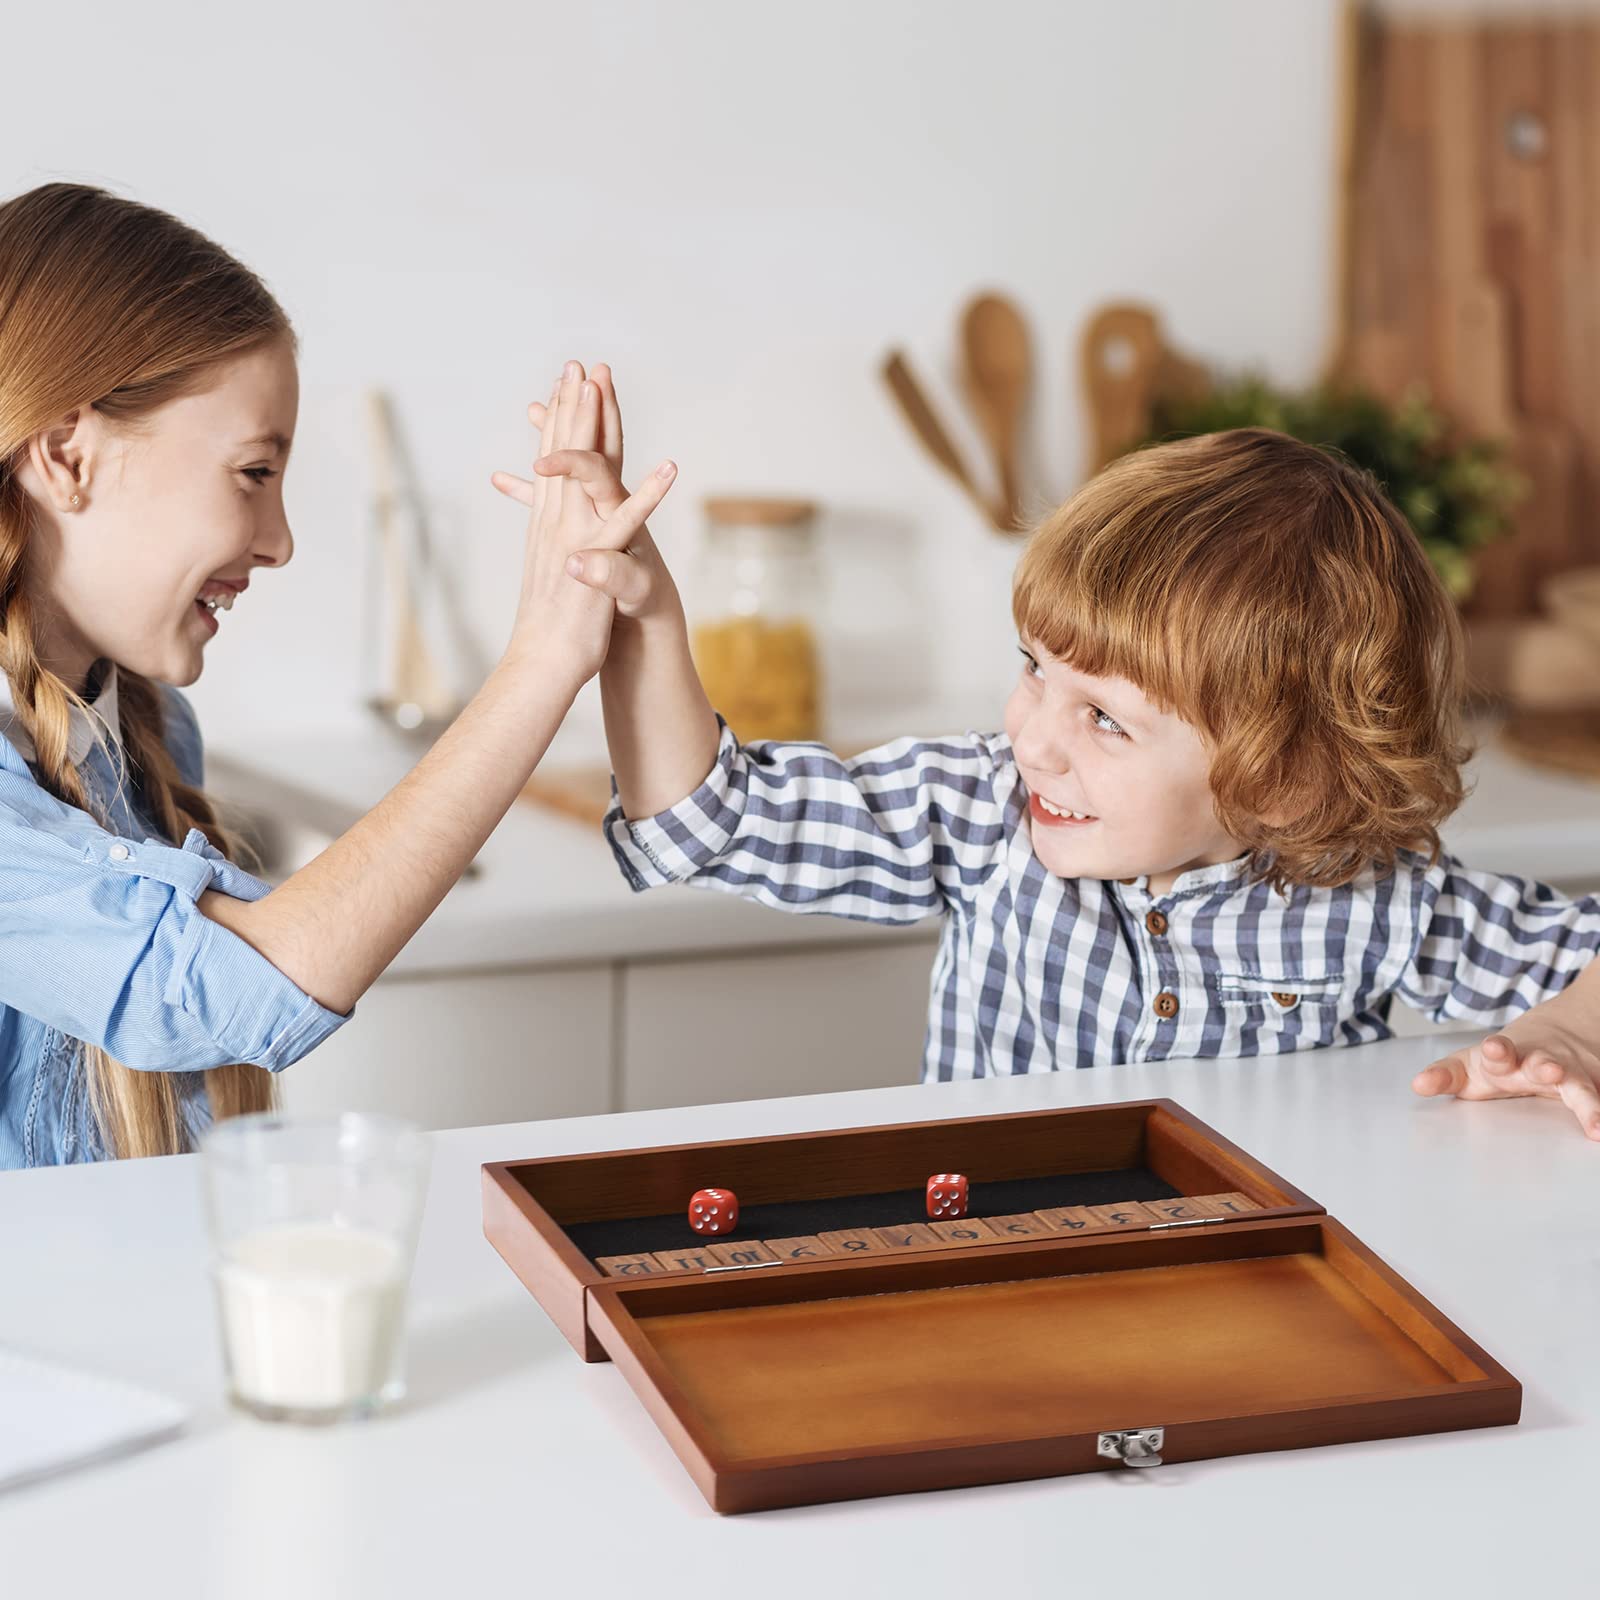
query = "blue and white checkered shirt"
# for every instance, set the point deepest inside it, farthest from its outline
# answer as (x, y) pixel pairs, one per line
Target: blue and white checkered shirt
(1037, 973)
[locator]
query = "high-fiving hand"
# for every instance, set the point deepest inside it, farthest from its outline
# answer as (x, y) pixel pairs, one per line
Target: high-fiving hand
(579, 514)
(631, 575)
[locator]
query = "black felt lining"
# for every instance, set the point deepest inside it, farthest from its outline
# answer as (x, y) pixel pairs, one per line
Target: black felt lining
(628, 1236)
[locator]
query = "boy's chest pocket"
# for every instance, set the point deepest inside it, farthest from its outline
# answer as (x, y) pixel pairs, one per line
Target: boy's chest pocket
(1280, 993)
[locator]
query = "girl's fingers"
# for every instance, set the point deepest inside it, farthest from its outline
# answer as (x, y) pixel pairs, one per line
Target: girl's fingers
(610, 418)
(547, 433)
(615, 573)
(586, 422)
(537, 413)
(572, 380)
(552, 416)
(514, 488)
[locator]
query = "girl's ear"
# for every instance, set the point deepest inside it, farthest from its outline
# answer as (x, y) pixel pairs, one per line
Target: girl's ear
(60, 461)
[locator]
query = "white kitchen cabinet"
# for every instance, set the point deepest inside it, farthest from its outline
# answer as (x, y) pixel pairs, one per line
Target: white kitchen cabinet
(462, 1049)
(743, 1027)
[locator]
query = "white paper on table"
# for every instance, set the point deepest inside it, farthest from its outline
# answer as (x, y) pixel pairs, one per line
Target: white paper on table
(53, 1418)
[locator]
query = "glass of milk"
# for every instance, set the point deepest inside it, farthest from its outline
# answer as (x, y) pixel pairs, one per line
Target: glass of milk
(313, 1225)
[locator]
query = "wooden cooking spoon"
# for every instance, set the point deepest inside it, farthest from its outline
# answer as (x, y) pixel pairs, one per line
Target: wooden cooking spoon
(929, 430)
(999, 369)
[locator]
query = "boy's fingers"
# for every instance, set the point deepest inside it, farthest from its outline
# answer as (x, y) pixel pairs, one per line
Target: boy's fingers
(1542, 1068)
(1579, 1096)
(537, 413)
(514, 488)
(592, 470)
(1499, 1054)
(614, 573)
(1448, 1076)
(637, 509)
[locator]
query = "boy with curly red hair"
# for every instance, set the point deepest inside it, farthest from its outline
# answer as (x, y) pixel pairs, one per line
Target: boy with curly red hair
(1210, 827)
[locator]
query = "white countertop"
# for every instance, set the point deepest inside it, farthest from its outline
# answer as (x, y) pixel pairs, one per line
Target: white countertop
(516, 1469)
(549, 892)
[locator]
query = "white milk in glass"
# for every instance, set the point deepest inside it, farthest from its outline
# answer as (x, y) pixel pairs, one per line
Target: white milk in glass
(312, 1315)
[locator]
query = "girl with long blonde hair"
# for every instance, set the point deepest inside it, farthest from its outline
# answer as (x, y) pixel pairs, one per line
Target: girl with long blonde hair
(148, 399)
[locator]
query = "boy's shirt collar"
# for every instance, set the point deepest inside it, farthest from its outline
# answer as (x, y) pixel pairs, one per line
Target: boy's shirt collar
(101, 724)
(1196, 879)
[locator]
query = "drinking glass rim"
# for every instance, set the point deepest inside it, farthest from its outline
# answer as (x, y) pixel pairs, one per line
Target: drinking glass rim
(225, 1141)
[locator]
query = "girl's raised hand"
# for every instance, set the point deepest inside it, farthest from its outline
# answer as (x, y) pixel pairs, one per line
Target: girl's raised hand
(635, 578)
(568, 625)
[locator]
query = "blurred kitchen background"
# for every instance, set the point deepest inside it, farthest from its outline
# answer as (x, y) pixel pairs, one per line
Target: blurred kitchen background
(887, 280)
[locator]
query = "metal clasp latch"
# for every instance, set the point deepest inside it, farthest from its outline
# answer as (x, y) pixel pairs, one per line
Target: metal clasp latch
(1134, 1447)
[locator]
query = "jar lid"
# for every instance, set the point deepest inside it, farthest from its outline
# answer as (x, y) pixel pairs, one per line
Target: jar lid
(764, 511)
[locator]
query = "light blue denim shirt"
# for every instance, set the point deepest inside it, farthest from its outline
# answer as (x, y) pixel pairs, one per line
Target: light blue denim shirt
(101, 940)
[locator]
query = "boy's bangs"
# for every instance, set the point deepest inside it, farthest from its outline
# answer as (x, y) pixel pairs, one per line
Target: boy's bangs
(1099, 623)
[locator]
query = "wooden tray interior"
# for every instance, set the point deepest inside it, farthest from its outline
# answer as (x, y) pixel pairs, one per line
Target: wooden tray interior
(631, 1201)
(1029, 1342)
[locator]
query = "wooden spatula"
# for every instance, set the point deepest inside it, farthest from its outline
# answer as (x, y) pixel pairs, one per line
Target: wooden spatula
(915, 409)
(999, 368)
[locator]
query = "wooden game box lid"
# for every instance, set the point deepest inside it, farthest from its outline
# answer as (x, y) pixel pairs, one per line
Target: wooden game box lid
(1129, 1287)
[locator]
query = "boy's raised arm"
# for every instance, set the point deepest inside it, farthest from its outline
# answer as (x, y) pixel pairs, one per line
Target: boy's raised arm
(660, 726)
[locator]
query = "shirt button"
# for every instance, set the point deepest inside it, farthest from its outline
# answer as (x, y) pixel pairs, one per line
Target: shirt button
(1287, 1001)
(1156, 922)
(1166, 1006)
(119, 852)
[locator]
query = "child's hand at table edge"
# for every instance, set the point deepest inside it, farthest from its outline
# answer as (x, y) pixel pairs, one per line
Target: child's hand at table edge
(1545, 1052)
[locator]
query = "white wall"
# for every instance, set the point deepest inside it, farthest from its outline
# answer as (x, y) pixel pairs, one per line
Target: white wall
(740, 206)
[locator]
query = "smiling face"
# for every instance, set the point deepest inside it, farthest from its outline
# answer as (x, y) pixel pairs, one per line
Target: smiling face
(172, 518)
(1117, 787)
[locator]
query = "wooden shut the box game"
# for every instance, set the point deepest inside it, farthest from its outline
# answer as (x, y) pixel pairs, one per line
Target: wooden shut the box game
(1126, 1287)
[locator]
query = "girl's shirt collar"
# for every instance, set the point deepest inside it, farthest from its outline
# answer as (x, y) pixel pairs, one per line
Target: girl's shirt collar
(99, 725)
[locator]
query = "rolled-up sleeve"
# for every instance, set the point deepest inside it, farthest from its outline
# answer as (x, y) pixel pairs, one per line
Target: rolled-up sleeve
(894, 835)
(101, 938)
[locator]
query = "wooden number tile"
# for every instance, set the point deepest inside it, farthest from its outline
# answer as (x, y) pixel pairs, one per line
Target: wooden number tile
(628, 1266)
(854, 1242)
(741, 1255)
(687, 1260)
(1217, 1204)
(1125, 1215)
(1185, 1209)
(1070, 1219)
(803, 1247)
(909, 1236)
(1024, 1225)
(955, 1232)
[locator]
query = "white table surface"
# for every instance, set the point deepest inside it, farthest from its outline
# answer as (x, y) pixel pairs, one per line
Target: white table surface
(515, 1469)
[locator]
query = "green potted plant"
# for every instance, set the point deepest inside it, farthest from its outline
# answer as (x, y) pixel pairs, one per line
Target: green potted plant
(1457, 493)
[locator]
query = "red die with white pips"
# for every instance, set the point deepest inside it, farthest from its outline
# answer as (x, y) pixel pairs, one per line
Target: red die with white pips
(947, 1195)
(713, 1210)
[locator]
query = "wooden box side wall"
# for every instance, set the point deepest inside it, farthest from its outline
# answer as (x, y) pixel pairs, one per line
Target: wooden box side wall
(1188, 1155)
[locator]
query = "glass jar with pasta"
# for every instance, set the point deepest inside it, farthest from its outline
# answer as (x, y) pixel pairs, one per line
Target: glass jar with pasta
(755, 615)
